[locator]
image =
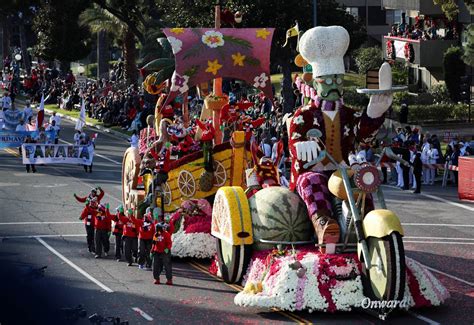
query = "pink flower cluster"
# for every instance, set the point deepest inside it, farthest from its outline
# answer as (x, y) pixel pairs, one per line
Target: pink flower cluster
(196, 216)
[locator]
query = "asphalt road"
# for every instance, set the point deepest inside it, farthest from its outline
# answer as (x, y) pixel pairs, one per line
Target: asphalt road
(39, 227)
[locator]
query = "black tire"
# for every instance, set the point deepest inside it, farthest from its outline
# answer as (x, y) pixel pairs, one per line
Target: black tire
(233, 260)
(386, 283)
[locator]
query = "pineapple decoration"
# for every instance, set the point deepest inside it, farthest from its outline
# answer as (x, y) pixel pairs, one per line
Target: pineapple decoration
(206, 180)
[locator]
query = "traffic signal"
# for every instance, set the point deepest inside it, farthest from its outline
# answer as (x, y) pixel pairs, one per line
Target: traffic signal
(465, 89)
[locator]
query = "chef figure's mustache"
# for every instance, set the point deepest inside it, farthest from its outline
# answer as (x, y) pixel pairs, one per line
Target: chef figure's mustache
(340, 93)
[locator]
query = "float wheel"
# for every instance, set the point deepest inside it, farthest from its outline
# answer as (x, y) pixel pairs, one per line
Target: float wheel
(130, 170)
(231, 225)
(220, 175)
(233, 259)
(166, 193)
(186, 183)
(385, 280)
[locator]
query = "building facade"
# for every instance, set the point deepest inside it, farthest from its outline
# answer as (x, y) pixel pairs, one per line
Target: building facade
(419, 36)
(377, 20)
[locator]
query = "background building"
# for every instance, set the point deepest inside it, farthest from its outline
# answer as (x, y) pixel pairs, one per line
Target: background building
(423, 54)
(377, 20)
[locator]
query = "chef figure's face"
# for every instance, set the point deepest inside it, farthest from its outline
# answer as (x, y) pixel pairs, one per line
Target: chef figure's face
(329, 87)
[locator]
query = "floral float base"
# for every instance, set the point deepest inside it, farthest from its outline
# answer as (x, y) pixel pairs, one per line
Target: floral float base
(193, 238)
(331, 283)
(193, 244)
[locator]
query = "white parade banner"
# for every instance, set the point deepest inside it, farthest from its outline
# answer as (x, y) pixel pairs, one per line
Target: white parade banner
(39, 153)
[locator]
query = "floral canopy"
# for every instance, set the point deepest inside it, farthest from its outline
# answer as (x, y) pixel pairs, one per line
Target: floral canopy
(202, 54)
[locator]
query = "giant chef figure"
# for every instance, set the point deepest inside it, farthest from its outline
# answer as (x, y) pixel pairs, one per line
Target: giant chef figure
(341, 126)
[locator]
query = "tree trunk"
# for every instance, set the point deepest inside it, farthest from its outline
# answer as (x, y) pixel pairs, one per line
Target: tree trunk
(24, 52)
(129, 54)
(6, 38)
(65, 66)
(102, 55)
(287, 87)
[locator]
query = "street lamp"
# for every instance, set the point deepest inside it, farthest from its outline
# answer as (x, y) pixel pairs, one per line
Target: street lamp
(18, 56)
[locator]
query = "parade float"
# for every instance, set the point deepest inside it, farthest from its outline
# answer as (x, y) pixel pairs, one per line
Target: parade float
(263, 233)
(199, 161)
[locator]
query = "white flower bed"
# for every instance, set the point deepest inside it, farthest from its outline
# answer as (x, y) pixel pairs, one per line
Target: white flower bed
(340, 289)
(197, 245)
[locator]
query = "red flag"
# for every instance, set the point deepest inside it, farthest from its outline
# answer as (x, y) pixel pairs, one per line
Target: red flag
(40, 117)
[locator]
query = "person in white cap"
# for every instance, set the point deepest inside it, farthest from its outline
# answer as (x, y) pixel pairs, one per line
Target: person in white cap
(340, 126)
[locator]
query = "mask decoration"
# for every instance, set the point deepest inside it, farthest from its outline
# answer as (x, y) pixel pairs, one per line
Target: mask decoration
(329, 87)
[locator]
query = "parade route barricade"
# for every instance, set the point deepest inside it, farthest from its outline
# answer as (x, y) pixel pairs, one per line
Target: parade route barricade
(466, 178)
(38, 153)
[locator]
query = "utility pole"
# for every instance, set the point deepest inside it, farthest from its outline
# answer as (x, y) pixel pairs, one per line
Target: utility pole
(315, 13)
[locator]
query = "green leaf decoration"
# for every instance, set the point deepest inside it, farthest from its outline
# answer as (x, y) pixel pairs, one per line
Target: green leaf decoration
(252, 61)
(221, 52)
(238, 41)
(193, 51)
(158, 64)
(162, 75)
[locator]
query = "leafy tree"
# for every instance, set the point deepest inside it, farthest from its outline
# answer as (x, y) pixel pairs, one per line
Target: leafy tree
(129, 22)
(451, 8)
(59, 35)
(18, 13)
(280, 14)
(368, 58)
(469, 46)
(453, 70)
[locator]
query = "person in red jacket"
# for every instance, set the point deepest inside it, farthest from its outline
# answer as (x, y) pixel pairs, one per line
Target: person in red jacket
(145, 238)
(130, 236)
(103, 225)
(92, 194)
(118, 232)
(88, 215)
(161, 252)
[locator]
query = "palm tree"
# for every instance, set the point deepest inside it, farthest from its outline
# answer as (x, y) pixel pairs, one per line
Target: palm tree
(100, 20)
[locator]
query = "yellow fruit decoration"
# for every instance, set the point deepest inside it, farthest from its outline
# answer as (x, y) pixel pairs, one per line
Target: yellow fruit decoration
(231, 218)
(299, 61)
(336, 184)
(253, 288)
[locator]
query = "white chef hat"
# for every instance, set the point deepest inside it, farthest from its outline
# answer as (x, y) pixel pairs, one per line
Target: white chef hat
(324, 49)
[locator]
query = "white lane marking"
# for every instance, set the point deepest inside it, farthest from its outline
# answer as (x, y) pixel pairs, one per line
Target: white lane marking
(423, 318)
(439, 238)
(459, 205)
(38, 222)
(48, 185)
(439, 242)
(143, 314)
(9, 184)
(74, 266)
(437, 198)
(41, 236)
(96, 154)
(447, 275)
(436, 224)
(25, 174)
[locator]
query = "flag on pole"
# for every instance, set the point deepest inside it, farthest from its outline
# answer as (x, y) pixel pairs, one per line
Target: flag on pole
(292, 32)
(82, 117)
(40, 117)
